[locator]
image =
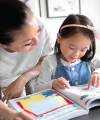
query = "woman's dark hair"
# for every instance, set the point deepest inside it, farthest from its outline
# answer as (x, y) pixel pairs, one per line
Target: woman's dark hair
(13, 17)
(69, 31)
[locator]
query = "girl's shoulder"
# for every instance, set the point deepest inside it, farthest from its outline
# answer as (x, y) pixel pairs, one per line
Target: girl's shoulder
(50, 58)
(50, 61)
(94, 61)
(95, 58)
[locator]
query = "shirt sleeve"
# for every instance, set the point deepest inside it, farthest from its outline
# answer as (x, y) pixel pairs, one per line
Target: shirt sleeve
(95, 64)
(45, 37)
(49, 44)
(44, 80)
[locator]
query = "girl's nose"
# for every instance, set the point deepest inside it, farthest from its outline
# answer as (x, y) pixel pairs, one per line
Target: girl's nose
(76, 52)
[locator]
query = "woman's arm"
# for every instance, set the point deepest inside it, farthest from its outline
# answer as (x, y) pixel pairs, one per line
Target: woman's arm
(0, 93)
(15, 89)
(32, 72)
(8, 114)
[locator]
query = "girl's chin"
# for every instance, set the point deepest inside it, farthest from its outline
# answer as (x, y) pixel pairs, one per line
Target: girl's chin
(71, 61)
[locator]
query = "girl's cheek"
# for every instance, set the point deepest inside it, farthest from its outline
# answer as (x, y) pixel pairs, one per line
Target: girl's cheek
(81, 55)
(66, 53)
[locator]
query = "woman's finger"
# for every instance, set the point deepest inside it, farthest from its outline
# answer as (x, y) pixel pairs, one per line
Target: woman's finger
(5, 96)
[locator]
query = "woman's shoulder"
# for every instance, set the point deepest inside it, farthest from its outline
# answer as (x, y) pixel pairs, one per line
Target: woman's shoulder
(40, 21)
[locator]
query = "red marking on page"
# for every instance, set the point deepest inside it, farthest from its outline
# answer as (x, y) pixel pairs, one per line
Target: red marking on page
(87, 101)
(67, 103)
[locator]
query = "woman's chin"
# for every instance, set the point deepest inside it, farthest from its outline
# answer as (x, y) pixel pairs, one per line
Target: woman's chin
(30, 49)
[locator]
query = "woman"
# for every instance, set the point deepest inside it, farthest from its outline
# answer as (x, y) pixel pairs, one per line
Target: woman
(24, 41)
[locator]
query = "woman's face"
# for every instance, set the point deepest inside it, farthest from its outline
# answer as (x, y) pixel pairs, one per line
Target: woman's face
(25, 39)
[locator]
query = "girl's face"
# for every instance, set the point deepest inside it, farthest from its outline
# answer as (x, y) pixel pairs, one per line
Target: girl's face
(74, 47)
(26, 38)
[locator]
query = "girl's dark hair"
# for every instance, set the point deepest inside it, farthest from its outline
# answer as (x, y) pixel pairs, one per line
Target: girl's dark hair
(69, 31)
(13, 17)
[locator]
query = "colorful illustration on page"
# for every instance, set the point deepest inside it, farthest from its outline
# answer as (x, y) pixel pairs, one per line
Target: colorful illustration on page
(43, 103)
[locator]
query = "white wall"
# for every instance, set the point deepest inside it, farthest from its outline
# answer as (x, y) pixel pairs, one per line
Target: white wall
(90, 8)
(52, 23)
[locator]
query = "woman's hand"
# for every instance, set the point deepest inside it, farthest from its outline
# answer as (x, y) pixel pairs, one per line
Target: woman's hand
(15, 89)
(23, 116)
(7, 113)
(60, 83)
(94, 80)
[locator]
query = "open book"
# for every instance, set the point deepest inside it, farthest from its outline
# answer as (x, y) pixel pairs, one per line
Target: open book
(58, 104)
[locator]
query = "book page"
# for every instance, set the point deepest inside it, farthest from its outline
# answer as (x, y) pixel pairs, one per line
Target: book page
(82, 96)
(49, 104)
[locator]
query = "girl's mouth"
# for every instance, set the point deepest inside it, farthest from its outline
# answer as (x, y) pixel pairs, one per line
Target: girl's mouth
(72, 58)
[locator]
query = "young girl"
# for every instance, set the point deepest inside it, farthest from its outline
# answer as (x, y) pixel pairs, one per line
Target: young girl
(73, 62)
(24, 41)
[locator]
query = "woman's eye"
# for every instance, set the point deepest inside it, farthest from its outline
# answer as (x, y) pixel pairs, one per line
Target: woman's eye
(28, 44)
(39, 29)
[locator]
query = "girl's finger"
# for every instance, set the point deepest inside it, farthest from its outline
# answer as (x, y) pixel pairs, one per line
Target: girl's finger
(94, 81)
(60, 85)
(65, 83)
(90, 83)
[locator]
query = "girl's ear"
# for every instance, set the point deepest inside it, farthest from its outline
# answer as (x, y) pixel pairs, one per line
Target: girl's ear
(58, 38)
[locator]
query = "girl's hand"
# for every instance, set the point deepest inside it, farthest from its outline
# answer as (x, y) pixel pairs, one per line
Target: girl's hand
(94, 80)
(15, 89)
(60, 83)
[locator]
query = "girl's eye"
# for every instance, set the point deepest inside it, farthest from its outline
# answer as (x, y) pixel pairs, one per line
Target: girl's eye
(71, 48)
(28, 44)
(83, 50)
